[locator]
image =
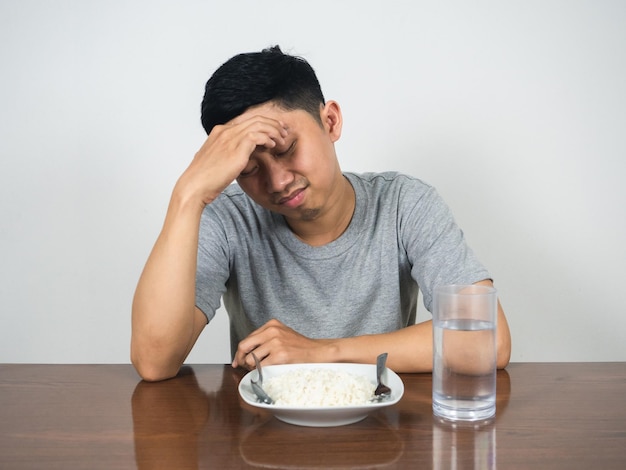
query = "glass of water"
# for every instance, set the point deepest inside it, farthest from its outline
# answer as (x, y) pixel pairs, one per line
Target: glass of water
(464, 352)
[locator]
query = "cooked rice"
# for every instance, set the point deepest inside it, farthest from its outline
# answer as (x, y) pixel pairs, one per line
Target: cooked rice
(319, 387)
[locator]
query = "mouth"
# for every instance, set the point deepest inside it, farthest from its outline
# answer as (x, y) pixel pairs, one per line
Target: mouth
(293, 199)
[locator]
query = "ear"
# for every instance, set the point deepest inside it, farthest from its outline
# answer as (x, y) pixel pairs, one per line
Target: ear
(332, 119)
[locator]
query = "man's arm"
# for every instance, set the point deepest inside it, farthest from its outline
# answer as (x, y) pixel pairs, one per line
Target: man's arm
(165, 320)
(410, 349)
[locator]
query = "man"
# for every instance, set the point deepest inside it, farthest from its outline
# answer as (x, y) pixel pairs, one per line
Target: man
(313, 265)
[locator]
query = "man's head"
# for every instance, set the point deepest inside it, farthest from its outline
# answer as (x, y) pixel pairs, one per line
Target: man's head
(298, 176)
(254, 78)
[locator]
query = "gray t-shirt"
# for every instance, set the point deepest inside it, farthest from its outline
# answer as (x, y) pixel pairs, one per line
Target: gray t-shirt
(401, 236)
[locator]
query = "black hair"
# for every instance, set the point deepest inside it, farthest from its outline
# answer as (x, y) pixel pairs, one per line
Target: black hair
(254, 78)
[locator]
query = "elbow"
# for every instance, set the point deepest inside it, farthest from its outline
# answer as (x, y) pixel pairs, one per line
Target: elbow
(503, 352)
(503, 340)
(151, 371)
(503, 360)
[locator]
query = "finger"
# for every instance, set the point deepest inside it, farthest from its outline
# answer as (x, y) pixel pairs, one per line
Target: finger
(262, 336)
(263, 131)
(246, 119)
(240, 359)
(262, 136)
(257, 341)
(244, 348)
(247, 361)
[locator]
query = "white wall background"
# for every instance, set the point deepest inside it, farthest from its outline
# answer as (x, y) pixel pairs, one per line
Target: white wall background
(515, 110)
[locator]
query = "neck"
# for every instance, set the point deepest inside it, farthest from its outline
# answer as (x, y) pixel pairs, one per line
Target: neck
(331, 223)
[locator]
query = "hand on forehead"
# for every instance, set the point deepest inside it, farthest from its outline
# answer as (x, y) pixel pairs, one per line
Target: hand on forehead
(265, 110)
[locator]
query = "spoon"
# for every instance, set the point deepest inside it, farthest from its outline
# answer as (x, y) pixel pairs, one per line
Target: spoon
(382, 391)
(258, 384)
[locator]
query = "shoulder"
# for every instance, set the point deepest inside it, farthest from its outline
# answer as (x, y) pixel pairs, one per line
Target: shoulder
(233, 194)
(389, 184)
(232, 198)
(233, 206)
(385, 179)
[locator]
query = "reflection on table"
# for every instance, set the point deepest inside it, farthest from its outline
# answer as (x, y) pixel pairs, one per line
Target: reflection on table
(177, 424)
(570, 416)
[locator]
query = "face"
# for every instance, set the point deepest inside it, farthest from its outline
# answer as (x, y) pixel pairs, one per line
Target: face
(299, 179)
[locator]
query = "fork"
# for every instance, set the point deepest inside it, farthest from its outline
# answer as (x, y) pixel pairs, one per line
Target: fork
(382, 391)
(257, 386)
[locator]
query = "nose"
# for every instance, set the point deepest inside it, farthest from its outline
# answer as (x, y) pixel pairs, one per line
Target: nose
(277, 177)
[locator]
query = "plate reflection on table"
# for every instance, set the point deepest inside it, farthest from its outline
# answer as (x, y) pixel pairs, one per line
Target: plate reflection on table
(305, 447)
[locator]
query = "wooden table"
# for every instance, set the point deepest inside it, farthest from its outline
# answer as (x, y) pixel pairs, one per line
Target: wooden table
(559, 415)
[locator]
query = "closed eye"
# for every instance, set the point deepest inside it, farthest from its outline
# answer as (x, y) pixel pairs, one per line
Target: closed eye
(253, 167)
(288, 151)
(248, 171)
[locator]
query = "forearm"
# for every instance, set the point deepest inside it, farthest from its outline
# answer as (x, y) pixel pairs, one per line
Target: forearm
(410, 349)
(164, 319)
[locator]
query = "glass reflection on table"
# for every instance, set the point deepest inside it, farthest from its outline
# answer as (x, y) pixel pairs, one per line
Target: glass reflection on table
(463, 445)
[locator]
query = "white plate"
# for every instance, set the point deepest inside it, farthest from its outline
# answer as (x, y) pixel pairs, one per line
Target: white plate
(323, 416)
